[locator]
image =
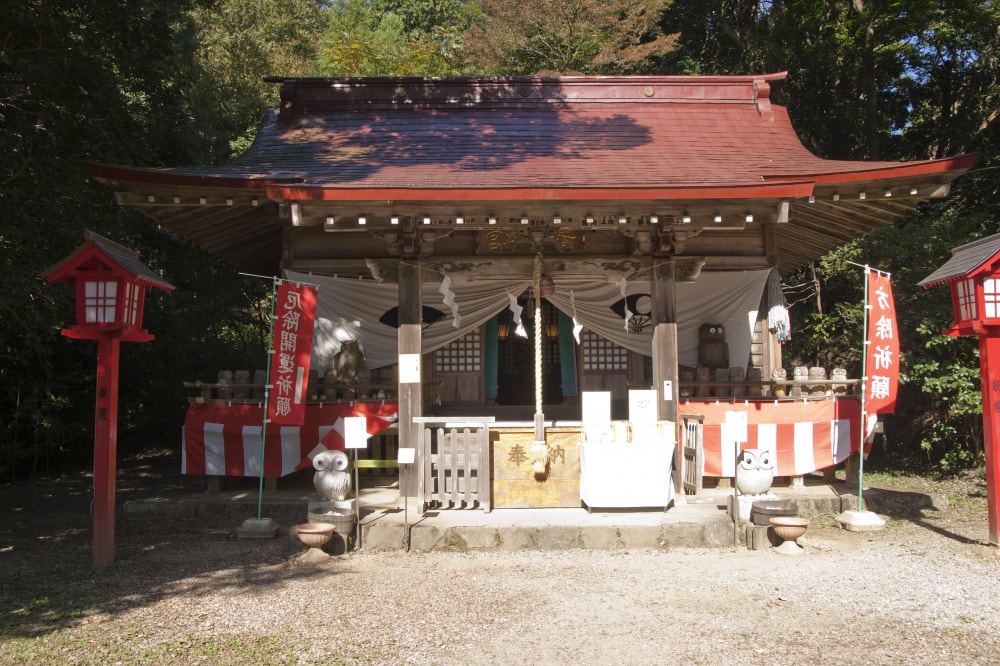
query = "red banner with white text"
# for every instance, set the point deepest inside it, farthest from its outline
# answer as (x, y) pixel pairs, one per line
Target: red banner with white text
(881, 351)
(291, 349)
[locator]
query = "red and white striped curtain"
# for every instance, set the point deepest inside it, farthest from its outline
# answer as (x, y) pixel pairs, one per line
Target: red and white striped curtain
(224, 440)
(802, 437)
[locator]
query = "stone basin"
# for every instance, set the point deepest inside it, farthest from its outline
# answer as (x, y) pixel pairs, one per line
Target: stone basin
(789, 528)
(314, 535)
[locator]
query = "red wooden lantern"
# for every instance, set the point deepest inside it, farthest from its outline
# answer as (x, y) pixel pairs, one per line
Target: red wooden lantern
(110, 284)
(973, 273)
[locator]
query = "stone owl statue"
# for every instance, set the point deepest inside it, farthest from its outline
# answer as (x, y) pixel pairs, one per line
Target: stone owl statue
(713, 350)
(754, 471)
(332, 480)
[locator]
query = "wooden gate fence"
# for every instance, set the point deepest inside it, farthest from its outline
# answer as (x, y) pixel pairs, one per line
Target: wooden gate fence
(692, 432)
(455, 461)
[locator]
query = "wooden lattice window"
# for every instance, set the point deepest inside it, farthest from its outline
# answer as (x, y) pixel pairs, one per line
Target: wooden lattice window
(461, 355)
(966, 290)
(602, 355)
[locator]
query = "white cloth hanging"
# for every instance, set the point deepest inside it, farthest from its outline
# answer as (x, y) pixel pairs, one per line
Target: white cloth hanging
(351, 309)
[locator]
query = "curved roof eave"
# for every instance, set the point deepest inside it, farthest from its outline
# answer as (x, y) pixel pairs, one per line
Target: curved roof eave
(531, 139)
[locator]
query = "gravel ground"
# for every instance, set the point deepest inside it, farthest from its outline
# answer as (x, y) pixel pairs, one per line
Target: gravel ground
(922, 591)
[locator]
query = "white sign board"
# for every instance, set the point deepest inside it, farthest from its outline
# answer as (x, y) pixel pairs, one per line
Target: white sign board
(737, 423)
(406, 456)
(596, 406)
(356, 432)
(642, 406)
(409, 368)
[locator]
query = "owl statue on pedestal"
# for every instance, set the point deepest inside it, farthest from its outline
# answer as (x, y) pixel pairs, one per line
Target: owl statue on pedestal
(754, 471)
(332, 480)
(713, 350)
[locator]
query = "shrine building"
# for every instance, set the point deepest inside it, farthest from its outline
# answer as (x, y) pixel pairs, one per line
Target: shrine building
(546, 255)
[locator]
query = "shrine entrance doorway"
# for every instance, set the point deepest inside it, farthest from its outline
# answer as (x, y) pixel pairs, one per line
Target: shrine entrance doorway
(516, 357)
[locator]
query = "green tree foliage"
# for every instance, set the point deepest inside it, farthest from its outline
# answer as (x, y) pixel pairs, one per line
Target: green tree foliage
(73, 85)
(235, 44)
(443, 20)
(390, 38)
(565, 37)
(954, 67)
(879, 80)
(87, 80)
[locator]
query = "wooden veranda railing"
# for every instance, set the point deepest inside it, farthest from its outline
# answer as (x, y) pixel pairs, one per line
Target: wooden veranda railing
(693, 457)
(455, 459)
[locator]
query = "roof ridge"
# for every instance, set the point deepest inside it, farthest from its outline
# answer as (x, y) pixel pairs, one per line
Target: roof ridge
(332, 94)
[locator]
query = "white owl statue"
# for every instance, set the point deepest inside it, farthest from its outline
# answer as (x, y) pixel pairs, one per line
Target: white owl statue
(754, 471)
(332, 480)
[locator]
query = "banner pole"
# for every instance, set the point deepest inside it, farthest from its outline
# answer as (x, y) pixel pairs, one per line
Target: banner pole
(861, 520)
(267, 397)
(864, 395)
(864, 377)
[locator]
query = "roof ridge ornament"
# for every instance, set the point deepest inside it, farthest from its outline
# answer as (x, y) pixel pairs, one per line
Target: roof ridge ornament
(762, 98)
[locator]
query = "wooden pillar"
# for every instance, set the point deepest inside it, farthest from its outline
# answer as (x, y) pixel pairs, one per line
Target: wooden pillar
(989, 366)
(664, 315)
(665, 373)
(774, 358)
(411, 401)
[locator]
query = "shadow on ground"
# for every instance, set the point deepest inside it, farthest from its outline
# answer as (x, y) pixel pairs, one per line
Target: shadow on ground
(48, 581)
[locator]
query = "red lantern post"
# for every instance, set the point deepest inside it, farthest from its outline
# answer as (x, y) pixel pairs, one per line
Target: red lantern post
(973, 273)
(110, 285)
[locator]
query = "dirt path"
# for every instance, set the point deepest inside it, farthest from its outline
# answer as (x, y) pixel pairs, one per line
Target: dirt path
(922, 591)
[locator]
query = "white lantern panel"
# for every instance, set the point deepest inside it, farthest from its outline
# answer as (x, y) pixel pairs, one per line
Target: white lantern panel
(991, 296)
(100, 299)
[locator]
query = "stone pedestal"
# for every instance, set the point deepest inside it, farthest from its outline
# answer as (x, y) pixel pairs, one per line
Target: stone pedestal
(860, 521)
(745, 504)
(341, 514)
(258, 528)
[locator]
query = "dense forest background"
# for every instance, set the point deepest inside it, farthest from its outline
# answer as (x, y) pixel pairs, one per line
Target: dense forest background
(170, 83)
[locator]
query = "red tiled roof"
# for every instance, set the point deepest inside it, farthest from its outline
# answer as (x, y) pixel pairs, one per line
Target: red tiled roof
(635, 133)
(665, 144)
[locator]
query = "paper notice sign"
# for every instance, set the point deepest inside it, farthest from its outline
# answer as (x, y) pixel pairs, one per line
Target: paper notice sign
(356, 432)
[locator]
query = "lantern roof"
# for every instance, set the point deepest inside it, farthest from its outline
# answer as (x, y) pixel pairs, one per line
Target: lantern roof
(543, 145)
(966, 261)
(98, 251)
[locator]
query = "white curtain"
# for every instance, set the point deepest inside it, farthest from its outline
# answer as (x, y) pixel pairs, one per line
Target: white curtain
(350, 309)
(728, 298)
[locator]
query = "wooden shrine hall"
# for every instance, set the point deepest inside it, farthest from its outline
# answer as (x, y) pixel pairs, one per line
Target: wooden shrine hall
(547, 276)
